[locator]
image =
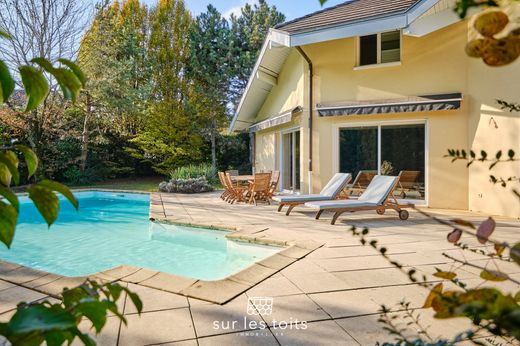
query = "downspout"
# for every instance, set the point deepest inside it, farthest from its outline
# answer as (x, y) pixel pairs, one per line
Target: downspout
(311, 105)
(252, 151)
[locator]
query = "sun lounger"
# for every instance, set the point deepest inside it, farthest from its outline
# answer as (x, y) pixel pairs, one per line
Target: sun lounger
(409, 181)
(331, 191)
(378, 196)
(360, 183)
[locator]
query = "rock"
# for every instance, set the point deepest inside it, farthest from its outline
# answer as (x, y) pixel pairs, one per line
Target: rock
(197, 185)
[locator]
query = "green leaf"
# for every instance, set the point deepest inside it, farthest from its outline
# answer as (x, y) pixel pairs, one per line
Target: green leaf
(515, 253)
(115, 290)
(58, 338)
(45, 201)
(135, 300)
(39, 318)
(86, 339)
(96, 312)
(8, 219)
(35, 85)
(55, 186)
(445, 275)
(30, 158)
(492, 275)
(44, 64)
(70, 84)
(10, 196)
(75, 69)
(6, 83)
(9, 168)
(67, 79)
(4, 34)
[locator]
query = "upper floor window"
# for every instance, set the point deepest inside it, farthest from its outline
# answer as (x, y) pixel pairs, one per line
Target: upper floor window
(380, 48)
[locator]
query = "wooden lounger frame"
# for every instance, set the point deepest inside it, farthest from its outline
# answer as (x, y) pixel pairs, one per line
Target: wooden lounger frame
(390, 203)
(342, 194)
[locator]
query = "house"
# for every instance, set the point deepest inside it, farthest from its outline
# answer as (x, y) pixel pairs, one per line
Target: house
(384, 86)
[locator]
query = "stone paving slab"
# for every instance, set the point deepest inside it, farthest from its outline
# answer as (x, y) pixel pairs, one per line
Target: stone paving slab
(327, 279)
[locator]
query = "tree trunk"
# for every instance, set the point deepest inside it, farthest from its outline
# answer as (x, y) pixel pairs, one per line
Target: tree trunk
(85, 135)
(213, 147)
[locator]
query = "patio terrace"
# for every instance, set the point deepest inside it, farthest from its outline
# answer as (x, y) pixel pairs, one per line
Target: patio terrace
(337, 288)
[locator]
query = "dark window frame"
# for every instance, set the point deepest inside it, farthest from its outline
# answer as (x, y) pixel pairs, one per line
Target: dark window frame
(379, 50)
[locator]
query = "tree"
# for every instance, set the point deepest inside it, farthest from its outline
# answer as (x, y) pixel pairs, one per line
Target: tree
(45, 29)
(113, 54)
(248, 32)
(170, 137)
(209, 70)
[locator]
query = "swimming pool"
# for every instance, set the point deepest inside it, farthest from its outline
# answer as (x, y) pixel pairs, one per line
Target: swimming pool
(113, 229)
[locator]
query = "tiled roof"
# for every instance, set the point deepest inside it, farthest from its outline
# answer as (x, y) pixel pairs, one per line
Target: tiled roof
(345, 13)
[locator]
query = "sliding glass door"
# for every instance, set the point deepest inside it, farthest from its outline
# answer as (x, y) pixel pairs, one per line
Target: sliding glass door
(358, 149)
(291, 161)
(386, 150)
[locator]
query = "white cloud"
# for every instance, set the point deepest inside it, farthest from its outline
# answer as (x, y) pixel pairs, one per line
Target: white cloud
(236, 9)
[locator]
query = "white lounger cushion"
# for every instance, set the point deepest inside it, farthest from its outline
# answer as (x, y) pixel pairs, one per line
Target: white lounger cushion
(301, 198)
(376, 193)
(330, 191)
(338, 204)
(335, 185)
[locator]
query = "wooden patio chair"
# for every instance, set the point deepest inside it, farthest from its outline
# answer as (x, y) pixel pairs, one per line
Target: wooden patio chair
(275, 179)
(226, 193)
(236, 192)
(408, 181)
(378, 196)
(361, 182)
(259, 188)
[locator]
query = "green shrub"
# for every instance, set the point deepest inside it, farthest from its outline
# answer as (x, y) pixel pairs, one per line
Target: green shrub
(194, 172)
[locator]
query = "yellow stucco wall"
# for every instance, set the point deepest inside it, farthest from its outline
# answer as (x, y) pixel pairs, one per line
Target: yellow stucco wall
(285, 96)
(493, 129)
(435, 63)
(432, 64)
(288, 93)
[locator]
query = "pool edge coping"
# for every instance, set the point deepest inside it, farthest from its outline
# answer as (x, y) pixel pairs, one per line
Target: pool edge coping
(215, 291)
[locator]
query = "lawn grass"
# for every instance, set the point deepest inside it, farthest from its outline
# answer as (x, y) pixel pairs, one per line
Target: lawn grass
(148, 184)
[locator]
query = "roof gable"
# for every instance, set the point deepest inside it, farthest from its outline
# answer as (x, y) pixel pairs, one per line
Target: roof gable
(350, 19)
(346, 13)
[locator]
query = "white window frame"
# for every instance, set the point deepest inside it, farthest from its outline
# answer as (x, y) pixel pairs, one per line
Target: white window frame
(379, 63)
(282, 158)
(343, 125)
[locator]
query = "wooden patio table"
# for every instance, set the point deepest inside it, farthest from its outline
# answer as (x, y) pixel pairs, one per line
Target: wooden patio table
(242, 178)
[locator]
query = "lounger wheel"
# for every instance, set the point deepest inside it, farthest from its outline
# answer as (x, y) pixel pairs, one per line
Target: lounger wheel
(404, 214)
(380, 211)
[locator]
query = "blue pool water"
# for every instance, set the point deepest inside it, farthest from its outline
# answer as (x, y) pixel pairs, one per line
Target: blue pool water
(113, 229)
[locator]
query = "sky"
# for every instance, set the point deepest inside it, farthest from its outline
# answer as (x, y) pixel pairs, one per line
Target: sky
(291, 8)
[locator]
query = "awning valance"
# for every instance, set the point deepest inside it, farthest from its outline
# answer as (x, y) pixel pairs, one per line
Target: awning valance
(439, 102)
(279, 119)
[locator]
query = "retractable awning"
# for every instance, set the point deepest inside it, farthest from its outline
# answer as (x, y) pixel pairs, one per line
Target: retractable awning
(279, 119)
(427, 103)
